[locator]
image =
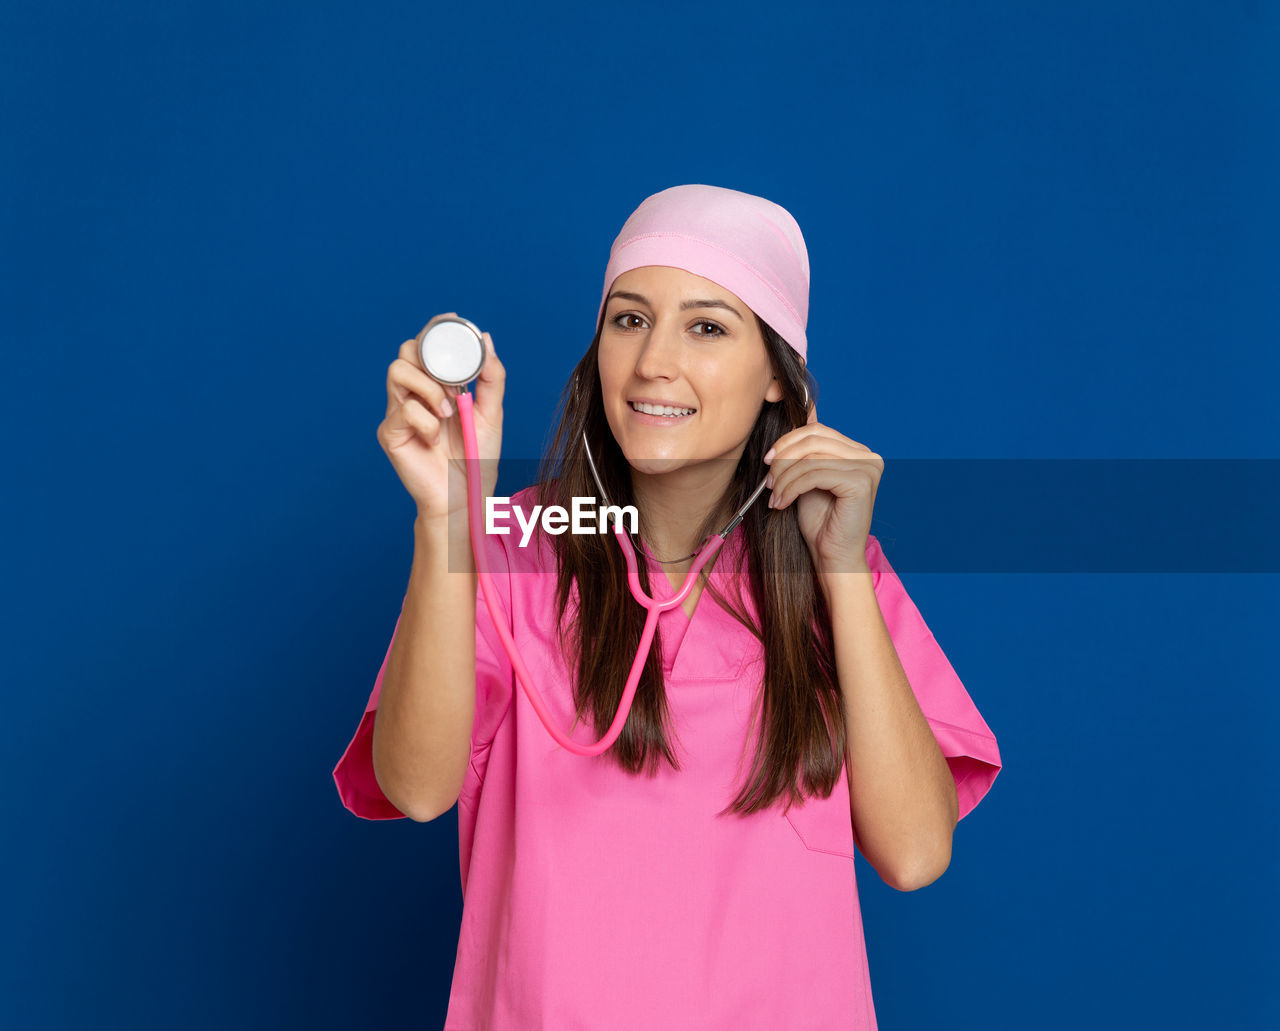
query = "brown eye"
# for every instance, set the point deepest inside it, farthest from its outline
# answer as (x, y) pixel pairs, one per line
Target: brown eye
(617, 319)
(719, 331)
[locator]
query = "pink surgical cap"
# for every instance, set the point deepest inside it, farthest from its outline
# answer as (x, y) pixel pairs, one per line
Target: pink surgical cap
(750, 246)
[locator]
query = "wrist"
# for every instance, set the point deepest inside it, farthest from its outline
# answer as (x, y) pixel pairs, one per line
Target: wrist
(844, 584)
(431, 523)
(444, 538)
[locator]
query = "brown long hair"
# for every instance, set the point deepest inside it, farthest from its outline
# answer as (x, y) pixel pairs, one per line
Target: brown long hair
(801, 740)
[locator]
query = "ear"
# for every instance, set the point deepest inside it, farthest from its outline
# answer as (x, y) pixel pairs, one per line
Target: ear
(774, 393)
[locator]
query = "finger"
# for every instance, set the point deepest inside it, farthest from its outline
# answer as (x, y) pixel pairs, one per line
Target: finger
(810, 435)
(850, 459)
(837, 465)
(408, 377)
(411, 352)
(406, 381)
(784, 471)
(790, 440)
(414, 417)
(838, 477)
(491, 386)
(426, 424)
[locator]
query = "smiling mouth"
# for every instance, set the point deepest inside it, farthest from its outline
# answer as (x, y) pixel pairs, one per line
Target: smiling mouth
(666, 411)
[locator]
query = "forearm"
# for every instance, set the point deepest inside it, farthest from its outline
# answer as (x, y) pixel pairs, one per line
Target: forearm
(903, 795)
(422, 728)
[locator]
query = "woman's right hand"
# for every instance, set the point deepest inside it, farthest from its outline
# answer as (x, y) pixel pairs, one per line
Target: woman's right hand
(422, 436)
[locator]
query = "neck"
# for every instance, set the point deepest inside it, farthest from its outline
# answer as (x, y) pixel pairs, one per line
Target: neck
(674, 506)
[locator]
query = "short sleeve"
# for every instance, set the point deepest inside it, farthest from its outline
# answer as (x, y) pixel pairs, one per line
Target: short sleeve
(962, 734)
(357, 786)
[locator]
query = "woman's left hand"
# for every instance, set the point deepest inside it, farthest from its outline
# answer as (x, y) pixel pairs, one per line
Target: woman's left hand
(833, 481)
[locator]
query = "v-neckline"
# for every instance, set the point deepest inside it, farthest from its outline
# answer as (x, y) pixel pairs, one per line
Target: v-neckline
(694, 599)
(696, 593)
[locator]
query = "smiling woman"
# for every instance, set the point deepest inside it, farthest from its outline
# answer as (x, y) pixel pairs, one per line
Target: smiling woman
(687, 476)
(658, 350)
(807, 710)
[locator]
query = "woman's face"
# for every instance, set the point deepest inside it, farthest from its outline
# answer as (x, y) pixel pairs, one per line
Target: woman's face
(673, 340)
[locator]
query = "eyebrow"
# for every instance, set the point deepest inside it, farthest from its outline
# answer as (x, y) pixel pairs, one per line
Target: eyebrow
(709, 302)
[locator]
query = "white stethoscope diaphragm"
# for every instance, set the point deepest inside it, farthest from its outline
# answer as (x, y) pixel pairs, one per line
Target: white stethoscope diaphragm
(452, 350)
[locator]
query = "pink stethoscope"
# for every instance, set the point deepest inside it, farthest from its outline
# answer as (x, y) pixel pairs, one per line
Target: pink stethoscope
(452, 352)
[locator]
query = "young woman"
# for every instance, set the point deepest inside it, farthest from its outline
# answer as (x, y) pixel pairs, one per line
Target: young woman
(699, 873)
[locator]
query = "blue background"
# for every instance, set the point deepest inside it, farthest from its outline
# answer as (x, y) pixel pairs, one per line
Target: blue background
(1036, 231)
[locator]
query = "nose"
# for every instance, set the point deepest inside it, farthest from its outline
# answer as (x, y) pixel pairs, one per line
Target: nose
(659, 356)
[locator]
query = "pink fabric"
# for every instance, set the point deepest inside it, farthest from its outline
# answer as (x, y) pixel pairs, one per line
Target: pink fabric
(750, 246)
(594, 899)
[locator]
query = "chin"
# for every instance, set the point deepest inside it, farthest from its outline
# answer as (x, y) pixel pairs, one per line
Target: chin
(655, 466)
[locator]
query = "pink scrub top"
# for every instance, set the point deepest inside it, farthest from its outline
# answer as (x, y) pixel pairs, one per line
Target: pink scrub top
(596, 899)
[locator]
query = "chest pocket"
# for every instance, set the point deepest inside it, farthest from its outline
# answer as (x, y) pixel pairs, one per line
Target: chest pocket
(825, 824)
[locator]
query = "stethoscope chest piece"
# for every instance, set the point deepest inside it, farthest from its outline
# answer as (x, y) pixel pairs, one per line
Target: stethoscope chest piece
(452, 350)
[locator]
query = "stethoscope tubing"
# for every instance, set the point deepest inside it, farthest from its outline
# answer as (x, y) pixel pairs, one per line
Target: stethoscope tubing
(475, 507)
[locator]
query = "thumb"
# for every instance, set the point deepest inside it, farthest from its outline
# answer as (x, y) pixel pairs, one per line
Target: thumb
(491, 385)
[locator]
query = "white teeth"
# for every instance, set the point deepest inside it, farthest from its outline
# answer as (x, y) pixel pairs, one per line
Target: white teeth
(666, 410)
